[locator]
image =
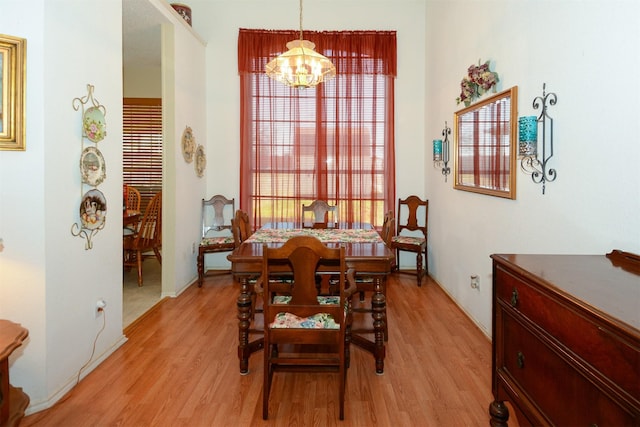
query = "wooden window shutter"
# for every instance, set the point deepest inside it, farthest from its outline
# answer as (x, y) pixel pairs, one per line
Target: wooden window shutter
(142, 146)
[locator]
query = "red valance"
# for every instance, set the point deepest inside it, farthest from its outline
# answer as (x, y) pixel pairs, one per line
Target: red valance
(352, 52)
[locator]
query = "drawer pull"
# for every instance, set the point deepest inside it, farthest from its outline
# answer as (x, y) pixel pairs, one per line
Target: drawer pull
(520, 360)
(514, 297)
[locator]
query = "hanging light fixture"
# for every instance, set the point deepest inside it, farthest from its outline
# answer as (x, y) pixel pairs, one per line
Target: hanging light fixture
(301, 66)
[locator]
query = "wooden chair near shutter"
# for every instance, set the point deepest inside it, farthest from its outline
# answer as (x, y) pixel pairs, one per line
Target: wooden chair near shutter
(147, 238)
(132, 198)
(132, 203)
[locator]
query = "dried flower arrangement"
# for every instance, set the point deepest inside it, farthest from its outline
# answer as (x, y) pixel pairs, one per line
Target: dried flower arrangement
(479, 80)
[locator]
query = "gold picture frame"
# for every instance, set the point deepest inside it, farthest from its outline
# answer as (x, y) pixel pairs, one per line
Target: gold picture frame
(12, 92)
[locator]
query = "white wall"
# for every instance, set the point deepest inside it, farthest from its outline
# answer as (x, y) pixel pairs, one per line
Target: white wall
(587, 53)
(22, 263)
(49, 283)
(184, 104)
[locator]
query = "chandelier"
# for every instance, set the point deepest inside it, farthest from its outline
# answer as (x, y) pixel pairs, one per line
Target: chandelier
(301, 66)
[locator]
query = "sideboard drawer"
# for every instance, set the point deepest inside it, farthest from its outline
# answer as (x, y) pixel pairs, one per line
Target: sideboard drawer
(536, 368)
(566, 339)
(595, 343)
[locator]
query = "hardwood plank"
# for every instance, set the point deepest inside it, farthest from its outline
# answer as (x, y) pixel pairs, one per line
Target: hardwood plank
(180, 368)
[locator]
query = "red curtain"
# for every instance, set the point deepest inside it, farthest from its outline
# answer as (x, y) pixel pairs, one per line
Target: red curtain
(334, 142)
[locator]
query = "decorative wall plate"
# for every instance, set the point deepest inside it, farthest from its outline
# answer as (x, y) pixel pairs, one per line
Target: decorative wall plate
(92, 166)
(201, 161)
(93, 210)
(94, 125)
(188, 144)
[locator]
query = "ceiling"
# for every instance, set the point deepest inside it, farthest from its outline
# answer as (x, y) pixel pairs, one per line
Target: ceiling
(140, 34)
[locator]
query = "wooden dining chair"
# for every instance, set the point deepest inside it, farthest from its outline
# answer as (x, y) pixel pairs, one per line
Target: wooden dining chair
(147, 238)
(242, 230)
(411, 234)
(319, 214)
(217, 234)
(388, 228)
(303, 330)
(132, 198)
(241, 227)
(132, 204)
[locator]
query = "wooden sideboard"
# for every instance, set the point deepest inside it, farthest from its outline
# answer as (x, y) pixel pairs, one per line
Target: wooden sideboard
(13, 401)
(566, 339)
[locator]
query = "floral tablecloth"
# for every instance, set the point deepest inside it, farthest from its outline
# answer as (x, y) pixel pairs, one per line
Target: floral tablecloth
(281, 235)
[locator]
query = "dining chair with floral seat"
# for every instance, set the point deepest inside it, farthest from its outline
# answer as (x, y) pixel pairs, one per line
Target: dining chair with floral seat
(319, 214)
(217, 233)
(411, 233)
(304, 330)
(241, 227)
(242, 230)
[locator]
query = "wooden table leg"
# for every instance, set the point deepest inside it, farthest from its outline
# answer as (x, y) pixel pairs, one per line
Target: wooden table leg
(244, 321)
(377, 346)
(378, 304)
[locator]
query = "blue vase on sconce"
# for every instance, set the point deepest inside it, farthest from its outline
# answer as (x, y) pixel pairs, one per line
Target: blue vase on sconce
(437, 150)
(528, 140)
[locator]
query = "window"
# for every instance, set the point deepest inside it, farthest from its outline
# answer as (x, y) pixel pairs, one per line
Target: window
(333, 142)
(142, 146)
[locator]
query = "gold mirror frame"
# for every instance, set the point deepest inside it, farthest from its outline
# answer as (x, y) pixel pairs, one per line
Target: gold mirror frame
(486, 147)
(12, 92)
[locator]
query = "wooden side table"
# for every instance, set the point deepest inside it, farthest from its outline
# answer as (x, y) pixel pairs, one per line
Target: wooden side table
(13, 401)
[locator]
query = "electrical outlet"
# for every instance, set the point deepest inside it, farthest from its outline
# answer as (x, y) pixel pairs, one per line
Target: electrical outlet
(475, 282)
(101, 304)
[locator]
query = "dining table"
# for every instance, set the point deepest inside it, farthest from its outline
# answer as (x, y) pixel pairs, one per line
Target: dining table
(129, 217)
(365, 252)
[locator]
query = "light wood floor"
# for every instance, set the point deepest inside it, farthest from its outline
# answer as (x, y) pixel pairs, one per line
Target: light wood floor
(180, 368)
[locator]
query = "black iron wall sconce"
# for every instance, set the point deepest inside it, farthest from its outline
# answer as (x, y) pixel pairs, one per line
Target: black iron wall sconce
(441, 152)
(531, 163)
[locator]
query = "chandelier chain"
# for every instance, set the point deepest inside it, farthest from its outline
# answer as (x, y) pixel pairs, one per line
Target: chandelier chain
(301, 20)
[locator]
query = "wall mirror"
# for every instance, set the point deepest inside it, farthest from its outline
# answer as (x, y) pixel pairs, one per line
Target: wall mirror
(486, 145)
